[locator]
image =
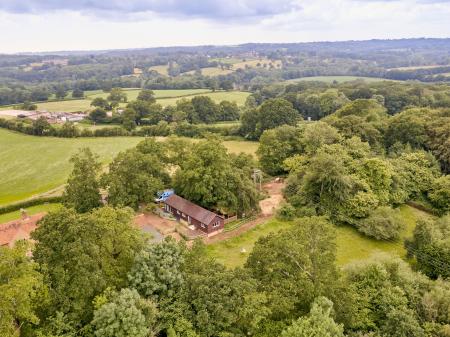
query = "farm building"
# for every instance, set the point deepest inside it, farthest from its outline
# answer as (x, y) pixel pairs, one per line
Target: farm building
(194, 215)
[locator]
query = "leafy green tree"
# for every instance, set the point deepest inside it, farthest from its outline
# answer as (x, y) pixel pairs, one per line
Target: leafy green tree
(21, 289)
(116, 96)
(209, 178)
(228, 111)
(82, 190)
(205, 108)
(220, 302)
(135, 177)
(440, 194)
(401, 322)
(146, 95)
(295, 266)
(319, 322)
(60, 92)
(157, 270)
(100, 102)
(315, 135)
(82, 255)
(77, 93)
(125, 314)
(97, 115)
(275, 146)
(430, 246)
(129, 119)
(272, 113)
(42, 127)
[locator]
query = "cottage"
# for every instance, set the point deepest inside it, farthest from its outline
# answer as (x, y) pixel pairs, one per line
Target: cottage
(200, 218)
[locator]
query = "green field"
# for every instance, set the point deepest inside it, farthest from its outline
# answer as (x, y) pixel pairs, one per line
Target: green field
(351, 245)
(66, 106)
(339, 79)
(233, 96)
(133, 93)
(34, 165)
(30, 211)
(163, 97)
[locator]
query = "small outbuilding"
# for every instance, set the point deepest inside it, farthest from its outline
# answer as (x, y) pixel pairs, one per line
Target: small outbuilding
(199, 217)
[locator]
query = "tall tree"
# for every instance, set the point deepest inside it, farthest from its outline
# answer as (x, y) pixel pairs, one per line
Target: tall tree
(82, 190)
(82, 255)
(21, 287)
(319, 322)
(295, 266)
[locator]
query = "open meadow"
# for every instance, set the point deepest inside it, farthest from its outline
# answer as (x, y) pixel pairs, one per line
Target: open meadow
(351, 245)
(33, 165)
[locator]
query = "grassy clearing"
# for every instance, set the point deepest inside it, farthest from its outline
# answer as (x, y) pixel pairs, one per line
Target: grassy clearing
(339, 79)
(210, 71)
(30, 210)
(34, 165)
(418, 67)
(351, 245)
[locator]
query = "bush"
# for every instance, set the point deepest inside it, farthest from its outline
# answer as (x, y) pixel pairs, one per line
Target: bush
(384, 223)
(286, 212)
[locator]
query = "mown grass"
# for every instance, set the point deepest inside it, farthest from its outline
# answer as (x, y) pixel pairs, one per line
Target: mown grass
(339, 79)
(33, 165)
(66, 106)
(30, 211)
(351, 245)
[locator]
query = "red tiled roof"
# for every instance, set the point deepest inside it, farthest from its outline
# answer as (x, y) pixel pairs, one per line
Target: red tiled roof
(194, 211)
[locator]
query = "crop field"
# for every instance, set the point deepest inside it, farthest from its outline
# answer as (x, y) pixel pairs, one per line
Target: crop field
(351, 245)
(339, 79)
(33, 165)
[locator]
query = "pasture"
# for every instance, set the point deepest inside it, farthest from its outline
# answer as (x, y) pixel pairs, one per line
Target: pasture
(33, 165)
(211, 71)
(133, 93)
(339, 79)
(351, 245)
(162, 69)
(233, 96)
(257, 63)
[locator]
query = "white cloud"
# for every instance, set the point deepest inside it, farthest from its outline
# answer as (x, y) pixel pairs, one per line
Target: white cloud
(307, 20)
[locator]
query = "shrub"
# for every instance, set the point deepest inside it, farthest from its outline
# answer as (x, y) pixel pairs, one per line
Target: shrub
(286, 212)
(384, 223)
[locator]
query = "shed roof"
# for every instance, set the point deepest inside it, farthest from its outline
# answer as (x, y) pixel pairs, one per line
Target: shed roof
(191, 209)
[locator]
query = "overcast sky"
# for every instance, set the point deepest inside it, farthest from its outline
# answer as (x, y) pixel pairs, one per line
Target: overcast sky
(50, 25)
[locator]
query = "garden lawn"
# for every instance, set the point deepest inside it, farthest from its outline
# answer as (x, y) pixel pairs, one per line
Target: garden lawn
(351, 245)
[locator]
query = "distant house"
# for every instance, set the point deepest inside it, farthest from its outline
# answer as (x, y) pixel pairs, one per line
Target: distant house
(202, 219)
